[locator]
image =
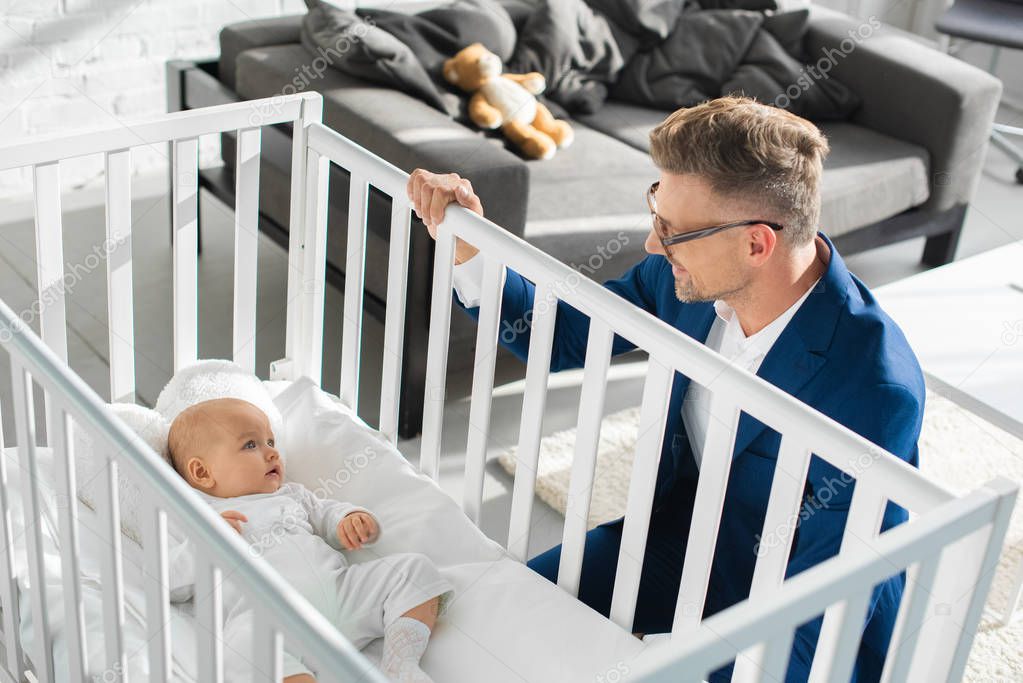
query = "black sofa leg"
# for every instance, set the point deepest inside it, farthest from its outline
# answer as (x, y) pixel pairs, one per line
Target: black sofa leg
(940, 249)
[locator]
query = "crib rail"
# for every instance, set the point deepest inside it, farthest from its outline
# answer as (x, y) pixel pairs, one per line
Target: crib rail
(70, 404)
(305, 630)
(935, 549)
(945, 526)
(804, 431)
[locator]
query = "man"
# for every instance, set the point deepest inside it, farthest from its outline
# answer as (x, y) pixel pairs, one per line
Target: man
(736, 262)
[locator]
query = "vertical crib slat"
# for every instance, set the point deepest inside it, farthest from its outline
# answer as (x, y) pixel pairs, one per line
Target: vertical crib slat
(782, 514)
(295, 342)
(986, 553)
(42, 658)
(642, 483)
(960, 587)
(210, 618)
(157, 594)
(112, 571)
(185, 215)
(437, 353)
(355, 282)
(534, 398)
(314, 264)
(710, 498)
(482, 388)
(120, 293)
(766, 662)
(394, 316)
(861, 527)
(50, 270)
(864, 522)
(839, 640)
(67, 510)
(246, 246)
(267, 642)
(584, 459)
(50, 258)
(783, 509)
(912, 613)
(9, 604)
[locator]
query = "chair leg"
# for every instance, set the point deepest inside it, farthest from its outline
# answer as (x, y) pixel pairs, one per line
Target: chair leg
(940, 249)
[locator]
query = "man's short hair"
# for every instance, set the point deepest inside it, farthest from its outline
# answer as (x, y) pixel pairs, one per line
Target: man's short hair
(762, 156)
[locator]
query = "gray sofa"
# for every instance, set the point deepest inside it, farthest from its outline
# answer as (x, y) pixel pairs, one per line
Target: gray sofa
(906, 165)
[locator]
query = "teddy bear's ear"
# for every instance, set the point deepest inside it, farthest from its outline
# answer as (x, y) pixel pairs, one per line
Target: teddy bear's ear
(451, 71)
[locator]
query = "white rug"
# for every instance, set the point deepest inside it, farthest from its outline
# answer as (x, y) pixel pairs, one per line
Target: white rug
(957, 448)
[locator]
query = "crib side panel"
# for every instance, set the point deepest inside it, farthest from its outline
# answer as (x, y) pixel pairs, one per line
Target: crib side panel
(73, 409)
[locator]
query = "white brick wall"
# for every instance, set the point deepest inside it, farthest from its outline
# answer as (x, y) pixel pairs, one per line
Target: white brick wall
(74, 64)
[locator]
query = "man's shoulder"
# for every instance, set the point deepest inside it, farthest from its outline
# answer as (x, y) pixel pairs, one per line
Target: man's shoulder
(873, 345)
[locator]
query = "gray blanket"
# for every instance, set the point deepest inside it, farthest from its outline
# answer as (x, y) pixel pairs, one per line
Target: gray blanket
(657, 53)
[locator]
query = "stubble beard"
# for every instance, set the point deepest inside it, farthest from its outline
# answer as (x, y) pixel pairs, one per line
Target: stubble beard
(687, 292)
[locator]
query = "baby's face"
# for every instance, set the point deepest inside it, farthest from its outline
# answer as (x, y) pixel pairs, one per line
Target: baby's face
(225, 448)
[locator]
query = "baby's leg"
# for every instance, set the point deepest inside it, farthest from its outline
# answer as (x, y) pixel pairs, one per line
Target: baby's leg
(426, 612)
(398, 596)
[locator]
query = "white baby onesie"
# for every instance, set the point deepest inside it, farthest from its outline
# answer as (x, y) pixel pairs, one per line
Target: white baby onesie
(296, 533)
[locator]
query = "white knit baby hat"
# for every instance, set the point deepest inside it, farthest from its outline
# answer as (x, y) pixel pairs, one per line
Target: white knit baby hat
(210, 379)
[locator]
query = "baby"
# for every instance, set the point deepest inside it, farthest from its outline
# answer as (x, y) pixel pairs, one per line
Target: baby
(224, 448)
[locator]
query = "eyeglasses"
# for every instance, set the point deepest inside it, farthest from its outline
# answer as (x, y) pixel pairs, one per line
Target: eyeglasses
(668, 240)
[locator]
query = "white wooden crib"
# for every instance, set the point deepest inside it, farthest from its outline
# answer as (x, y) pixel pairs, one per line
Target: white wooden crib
(949, 549)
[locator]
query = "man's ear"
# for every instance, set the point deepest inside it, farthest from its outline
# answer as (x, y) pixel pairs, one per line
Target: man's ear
(450, 71)
(198, 474)
(762, 243)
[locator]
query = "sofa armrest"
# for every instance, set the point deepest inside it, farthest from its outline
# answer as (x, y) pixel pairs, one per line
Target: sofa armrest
(912, 92)
(244, 35)
(405, 131)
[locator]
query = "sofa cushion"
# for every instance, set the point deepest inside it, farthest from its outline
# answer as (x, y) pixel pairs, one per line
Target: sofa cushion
(586, 205)
(245, 35)
(396, 126)
(868, 176)
(629, 123)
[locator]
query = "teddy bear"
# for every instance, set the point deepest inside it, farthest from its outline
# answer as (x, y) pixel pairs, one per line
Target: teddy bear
(507, 101)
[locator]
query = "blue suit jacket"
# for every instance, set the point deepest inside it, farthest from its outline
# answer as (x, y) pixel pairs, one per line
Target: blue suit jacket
(842, 355)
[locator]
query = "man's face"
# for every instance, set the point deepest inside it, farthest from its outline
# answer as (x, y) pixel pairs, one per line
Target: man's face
(709, 268)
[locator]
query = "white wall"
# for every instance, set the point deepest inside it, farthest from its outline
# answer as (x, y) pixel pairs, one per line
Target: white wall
(919, 16)
(71, 64)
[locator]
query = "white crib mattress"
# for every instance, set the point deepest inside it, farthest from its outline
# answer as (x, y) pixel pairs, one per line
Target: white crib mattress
(505, 623)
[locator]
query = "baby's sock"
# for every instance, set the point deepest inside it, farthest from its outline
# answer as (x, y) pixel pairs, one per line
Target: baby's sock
(405, 641)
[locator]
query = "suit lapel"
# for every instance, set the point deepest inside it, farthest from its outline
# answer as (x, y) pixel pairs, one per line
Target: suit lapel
(801, 349)
(789, 365)
(695, 320)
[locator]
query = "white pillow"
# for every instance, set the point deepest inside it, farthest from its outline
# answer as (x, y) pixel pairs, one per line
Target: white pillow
(151, 428)
(336, 455)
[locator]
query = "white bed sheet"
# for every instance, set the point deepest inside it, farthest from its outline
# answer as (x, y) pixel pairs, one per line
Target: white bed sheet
(505, 622)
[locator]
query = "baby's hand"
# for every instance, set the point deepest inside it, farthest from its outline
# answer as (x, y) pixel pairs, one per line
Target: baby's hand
(355, 529)
(235, 519)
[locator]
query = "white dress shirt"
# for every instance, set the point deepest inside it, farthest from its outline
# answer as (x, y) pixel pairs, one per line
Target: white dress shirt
(725, 336)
